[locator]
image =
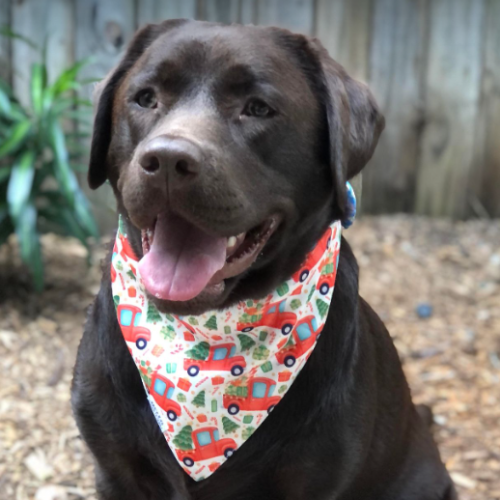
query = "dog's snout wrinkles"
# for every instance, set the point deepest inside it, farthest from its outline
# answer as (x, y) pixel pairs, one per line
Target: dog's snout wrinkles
(175, 158)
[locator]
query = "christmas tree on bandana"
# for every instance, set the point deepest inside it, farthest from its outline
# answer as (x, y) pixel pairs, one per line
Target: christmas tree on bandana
(199, 351)
(184, 440)
(152, 314)
(211, 323)
(246, 342)
(229, 425)
(322, 307)
(199, 399)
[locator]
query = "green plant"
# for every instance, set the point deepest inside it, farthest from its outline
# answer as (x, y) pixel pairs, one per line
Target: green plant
(40, 147)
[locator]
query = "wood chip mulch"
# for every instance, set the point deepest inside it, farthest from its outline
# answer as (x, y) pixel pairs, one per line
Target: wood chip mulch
(436, 285)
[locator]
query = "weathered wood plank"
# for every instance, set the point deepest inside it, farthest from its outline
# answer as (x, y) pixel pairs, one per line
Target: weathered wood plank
(485, 174)
(452, 92)
(5, 42)
(102, 31)
(343, 26)
(296, 15)
(154, 11)
(397, 63)
(39, 20)
(248, 14)
(222, 11)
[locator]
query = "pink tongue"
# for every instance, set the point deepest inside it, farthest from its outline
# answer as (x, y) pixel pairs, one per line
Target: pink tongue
(182, 259)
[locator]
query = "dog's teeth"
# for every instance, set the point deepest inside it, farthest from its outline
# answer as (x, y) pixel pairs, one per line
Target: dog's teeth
(231, 241)
(150, 235)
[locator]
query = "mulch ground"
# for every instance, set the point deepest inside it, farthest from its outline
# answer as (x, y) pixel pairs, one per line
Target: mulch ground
(410, 268)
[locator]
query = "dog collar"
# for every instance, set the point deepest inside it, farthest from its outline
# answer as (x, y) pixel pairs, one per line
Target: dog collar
(212, 379)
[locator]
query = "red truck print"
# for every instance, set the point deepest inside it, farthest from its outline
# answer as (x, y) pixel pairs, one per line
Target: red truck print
(313, 257)
(325, 282)
(259, 397)
(207, 444)
(162, 391)
(127, 252)
(220, 357)
(129, 318)
(113, 270)
(274, 316)
(328, 274)
(304, 334)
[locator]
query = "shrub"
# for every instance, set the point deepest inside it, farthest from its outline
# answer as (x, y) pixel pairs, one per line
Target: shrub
(39, 151)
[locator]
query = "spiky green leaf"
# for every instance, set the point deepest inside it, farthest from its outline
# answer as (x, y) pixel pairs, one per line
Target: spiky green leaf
(20, 183)
(29, 243)
(15, 138)
(38, 83)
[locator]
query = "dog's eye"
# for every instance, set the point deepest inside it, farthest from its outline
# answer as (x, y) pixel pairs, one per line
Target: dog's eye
(257, 108)
(146, 99)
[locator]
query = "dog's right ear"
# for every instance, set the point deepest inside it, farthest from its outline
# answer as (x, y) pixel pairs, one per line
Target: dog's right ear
(104, 94)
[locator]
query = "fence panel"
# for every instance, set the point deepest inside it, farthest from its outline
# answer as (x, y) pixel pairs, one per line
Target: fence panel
(344, 28)
(248, 11)
(434, 67)
(103, 29)
(5, 42)
(296, 15)
(221, 11)
(452, 93)
(397, 65)
(486, 169)
(154, 11)
(43, 21)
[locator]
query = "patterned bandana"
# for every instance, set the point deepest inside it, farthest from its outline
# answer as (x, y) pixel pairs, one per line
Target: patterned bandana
(212, 379)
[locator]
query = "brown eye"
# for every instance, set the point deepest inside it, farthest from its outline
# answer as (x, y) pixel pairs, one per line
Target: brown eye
(258, 109)
(146, 99)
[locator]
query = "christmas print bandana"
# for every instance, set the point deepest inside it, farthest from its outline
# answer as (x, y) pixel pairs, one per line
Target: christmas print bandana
(212, 379)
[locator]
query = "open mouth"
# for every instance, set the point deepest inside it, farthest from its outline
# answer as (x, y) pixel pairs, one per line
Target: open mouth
(181, 260)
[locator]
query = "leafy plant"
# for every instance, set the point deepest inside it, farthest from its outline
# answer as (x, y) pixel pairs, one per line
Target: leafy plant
(40, 147)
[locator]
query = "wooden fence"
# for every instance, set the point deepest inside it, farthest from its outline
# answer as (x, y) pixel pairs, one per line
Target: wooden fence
(434, 66)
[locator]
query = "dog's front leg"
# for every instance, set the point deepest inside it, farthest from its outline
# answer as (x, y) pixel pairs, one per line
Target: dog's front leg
(132, 459)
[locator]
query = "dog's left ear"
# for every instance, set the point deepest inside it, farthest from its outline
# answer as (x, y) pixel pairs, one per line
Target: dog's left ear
(354, 119)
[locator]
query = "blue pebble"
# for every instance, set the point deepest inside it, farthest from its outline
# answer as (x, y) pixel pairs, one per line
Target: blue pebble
(424, 310)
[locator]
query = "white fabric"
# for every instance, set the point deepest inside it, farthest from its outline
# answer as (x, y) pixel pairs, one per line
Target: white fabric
(212, 379)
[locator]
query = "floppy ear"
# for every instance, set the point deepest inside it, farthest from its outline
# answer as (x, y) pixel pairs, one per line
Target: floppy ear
(354, 121)
(104, 94)
(353, 117)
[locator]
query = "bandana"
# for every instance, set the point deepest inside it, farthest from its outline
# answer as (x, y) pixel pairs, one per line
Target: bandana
(212, 379)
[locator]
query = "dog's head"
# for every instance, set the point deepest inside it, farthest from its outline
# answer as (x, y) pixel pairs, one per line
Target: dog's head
(228, 149)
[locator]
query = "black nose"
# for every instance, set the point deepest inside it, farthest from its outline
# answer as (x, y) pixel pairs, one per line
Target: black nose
(175, 157)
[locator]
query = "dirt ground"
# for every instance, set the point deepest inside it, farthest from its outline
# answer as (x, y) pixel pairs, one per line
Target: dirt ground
(409, 266)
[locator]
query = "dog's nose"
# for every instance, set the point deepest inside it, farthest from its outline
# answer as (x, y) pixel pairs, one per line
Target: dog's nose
(175, 157)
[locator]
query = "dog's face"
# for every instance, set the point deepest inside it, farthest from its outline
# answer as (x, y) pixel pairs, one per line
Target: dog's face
(228, 148)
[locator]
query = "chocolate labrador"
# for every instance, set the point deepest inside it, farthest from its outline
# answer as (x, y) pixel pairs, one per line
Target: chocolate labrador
(249, 132)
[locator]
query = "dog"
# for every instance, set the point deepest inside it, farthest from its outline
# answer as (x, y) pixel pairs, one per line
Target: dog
(229, 127)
